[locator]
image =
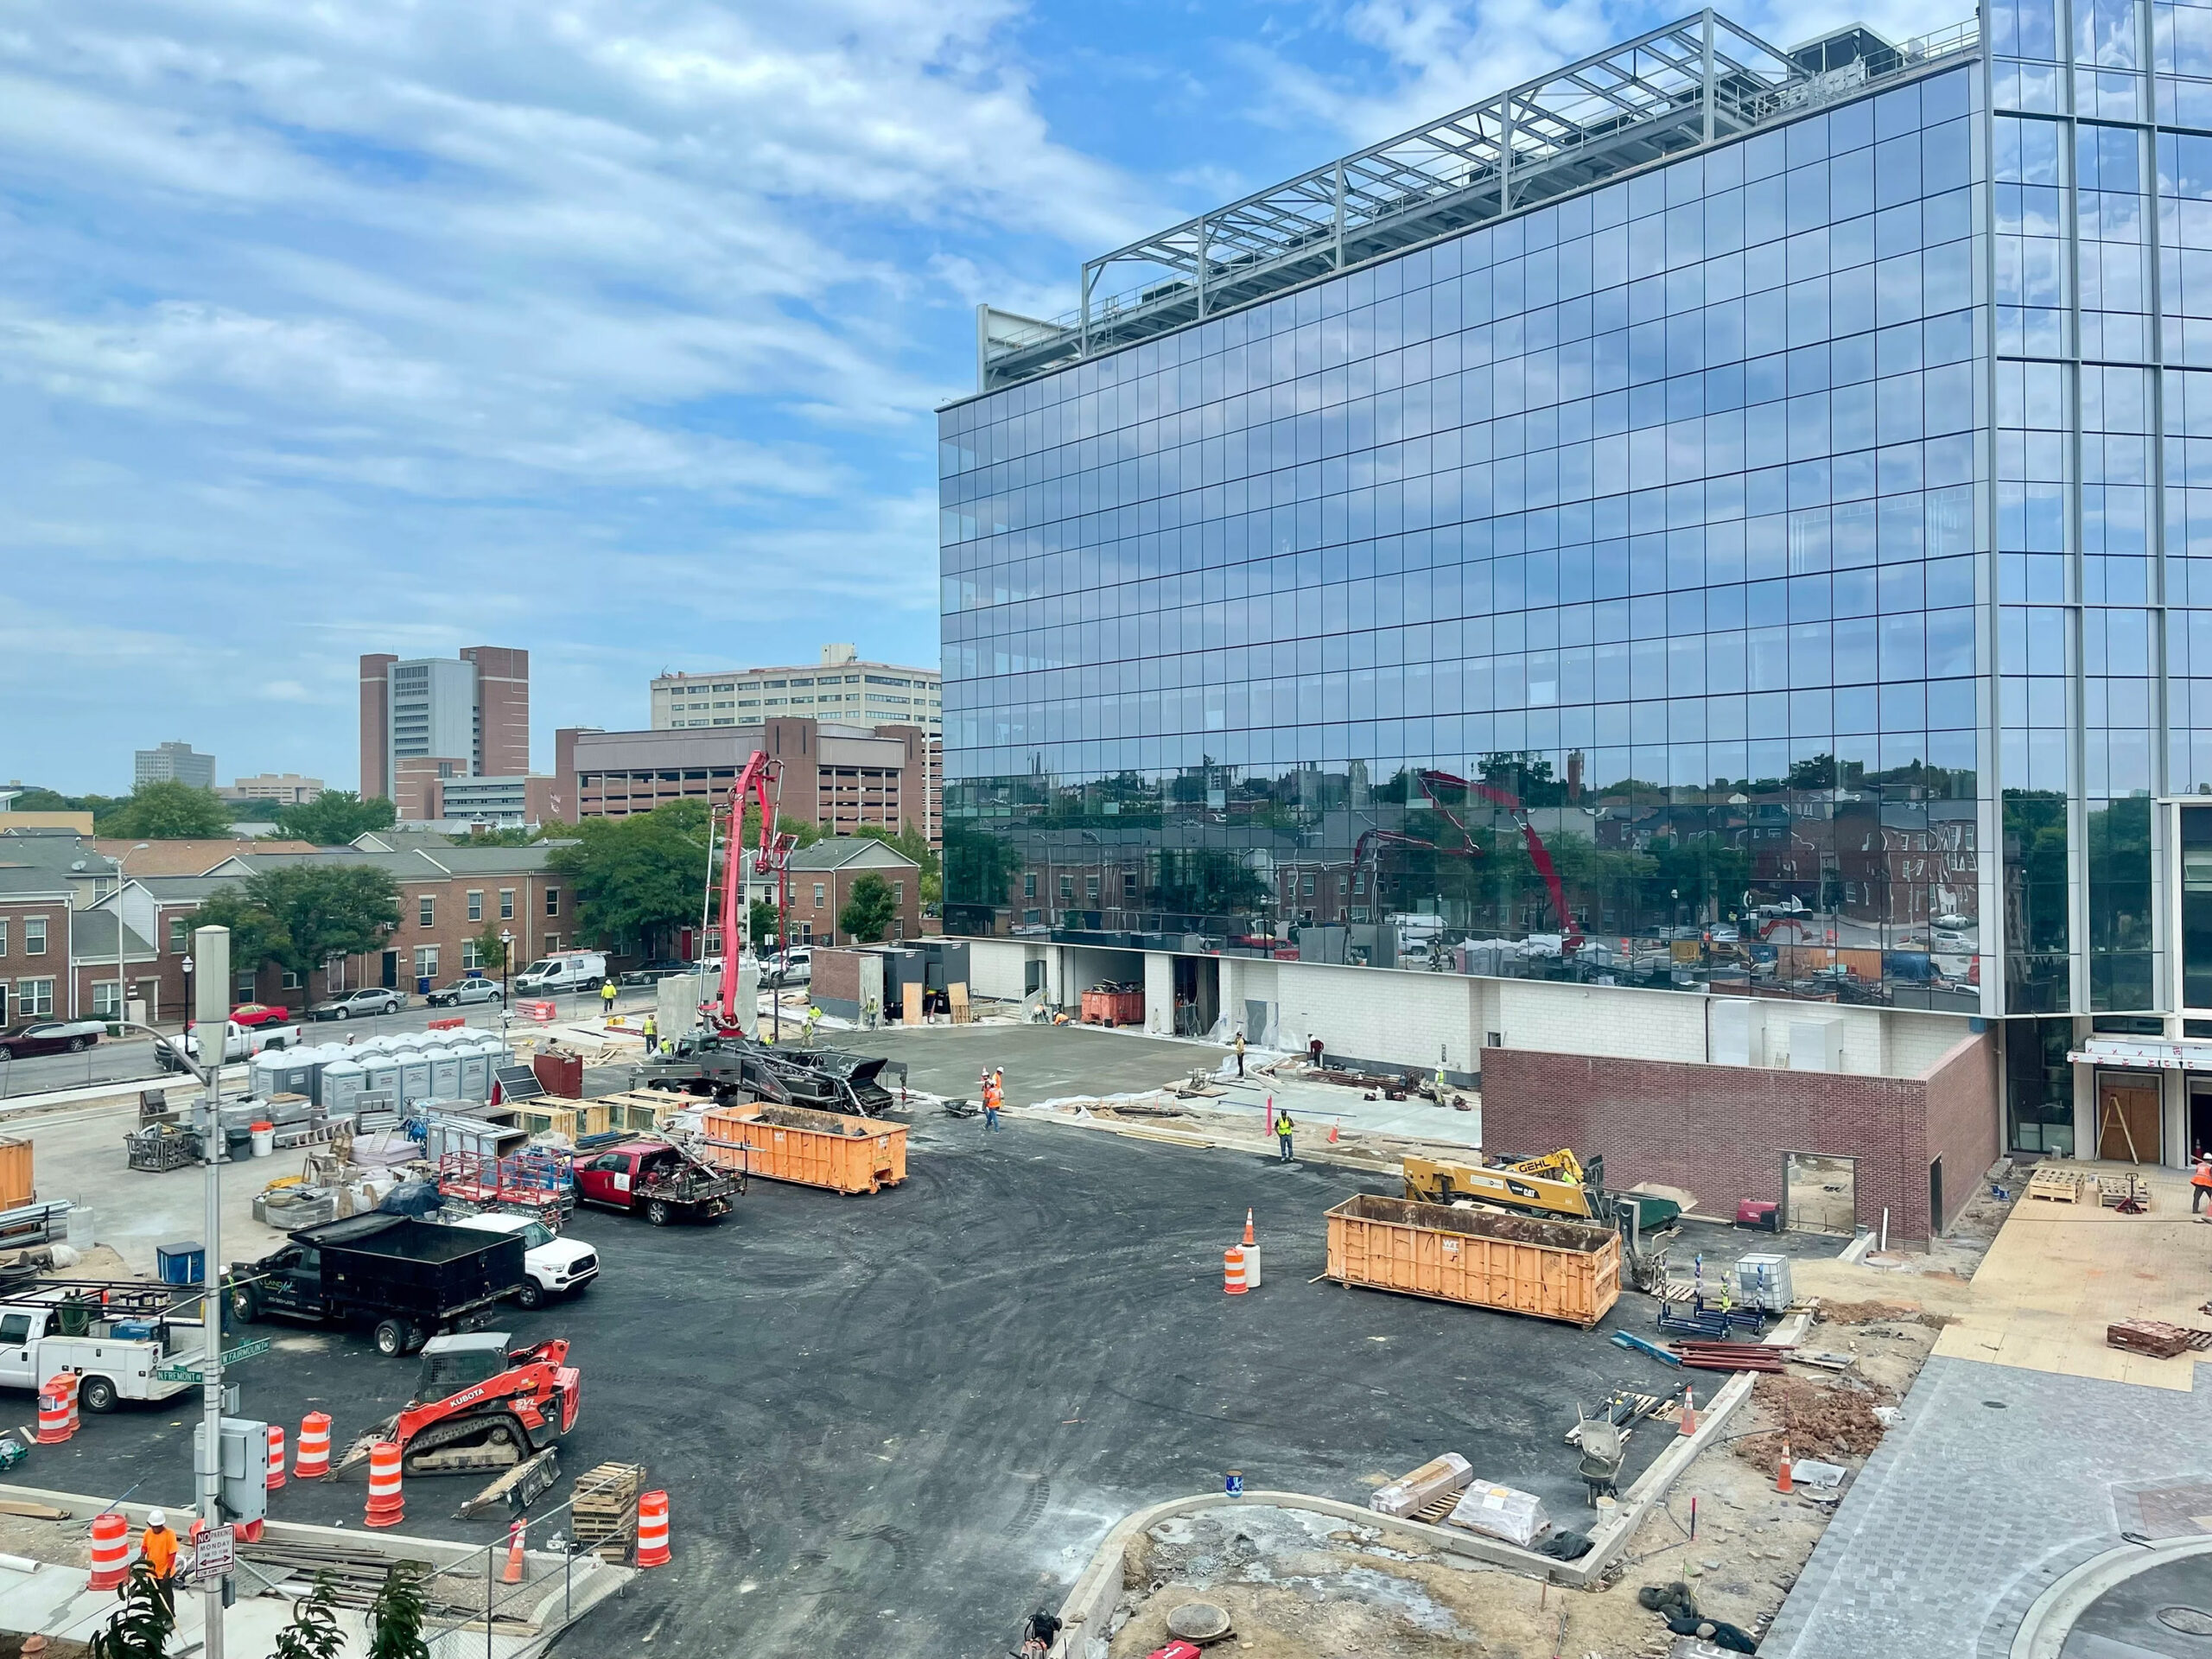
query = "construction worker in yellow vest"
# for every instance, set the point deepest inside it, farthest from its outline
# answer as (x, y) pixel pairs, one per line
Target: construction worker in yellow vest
(606, 995)
(652, 1036)
(1283, 1129)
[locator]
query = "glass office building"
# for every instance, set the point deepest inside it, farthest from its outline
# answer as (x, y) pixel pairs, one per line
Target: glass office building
(1717, 518)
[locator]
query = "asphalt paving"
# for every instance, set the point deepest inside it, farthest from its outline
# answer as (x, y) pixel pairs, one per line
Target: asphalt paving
(897, 1423)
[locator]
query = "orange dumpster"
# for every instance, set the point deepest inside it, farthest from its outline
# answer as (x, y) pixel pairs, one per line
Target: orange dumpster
(1553, 1269)
(811, 1148)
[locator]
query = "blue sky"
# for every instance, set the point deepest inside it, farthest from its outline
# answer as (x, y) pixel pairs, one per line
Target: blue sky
(609, 329)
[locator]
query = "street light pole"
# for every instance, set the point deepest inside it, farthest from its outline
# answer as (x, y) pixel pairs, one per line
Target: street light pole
(506, 977)
(212, 947)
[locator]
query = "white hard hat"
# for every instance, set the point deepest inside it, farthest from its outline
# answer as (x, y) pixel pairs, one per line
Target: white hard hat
(156, 1518)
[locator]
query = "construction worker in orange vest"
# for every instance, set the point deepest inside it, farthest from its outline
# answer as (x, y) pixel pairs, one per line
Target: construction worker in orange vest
(157, 1548)
(2200, 1182)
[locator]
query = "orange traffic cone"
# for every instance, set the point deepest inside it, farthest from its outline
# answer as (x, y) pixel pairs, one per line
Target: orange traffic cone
(1689, 1412)
(1781, 1482)
(1332, 1131)
(514, 1573)
(1249, 1240)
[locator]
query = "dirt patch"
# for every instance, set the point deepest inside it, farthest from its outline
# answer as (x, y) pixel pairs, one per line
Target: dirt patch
(1835, 1420)
(1832, 1313)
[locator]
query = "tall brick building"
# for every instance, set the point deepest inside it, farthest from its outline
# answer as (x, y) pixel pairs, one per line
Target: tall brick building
(426, 718)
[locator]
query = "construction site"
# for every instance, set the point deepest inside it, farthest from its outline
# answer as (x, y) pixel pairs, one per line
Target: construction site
(719, 1322)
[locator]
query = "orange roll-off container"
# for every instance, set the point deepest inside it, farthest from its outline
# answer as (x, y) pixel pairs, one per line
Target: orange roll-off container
(1553, 1269)
(810, 1149)
(15, 1172)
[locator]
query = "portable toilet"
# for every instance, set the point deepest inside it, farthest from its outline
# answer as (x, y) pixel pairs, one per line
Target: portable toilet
(266, 1073)
(380, 1080)
(445, 1072)
(476, 1068)
(414, 1078)
(343, 1082)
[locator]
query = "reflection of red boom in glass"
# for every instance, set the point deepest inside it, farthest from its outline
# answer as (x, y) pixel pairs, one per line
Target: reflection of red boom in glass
(1538, 855)
(768, 860)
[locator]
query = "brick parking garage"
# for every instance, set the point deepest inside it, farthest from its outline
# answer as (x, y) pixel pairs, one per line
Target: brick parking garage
(1917, 1145)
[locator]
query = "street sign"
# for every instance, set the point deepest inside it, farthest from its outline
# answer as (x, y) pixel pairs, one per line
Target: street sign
(216, 1554)
(245, 1350)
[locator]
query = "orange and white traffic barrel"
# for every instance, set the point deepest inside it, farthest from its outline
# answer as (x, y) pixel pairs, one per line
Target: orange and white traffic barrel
(54, 1426)
(652, 1529)
(313, 1461)
(276, 1458)
(1232, 1270)
(387, 1507)
(111, 1550)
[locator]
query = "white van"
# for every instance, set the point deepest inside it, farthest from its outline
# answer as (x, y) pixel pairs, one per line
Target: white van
(571, 970)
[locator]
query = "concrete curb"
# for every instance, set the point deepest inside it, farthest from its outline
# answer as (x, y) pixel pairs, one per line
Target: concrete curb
(2049, 1620)
(119, 1092)
(591, 1582)
(1199, 1140)
(1089, 1607)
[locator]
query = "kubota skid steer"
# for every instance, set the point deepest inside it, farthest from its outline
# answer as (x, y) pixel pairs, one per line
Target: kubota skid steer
(478, 1406)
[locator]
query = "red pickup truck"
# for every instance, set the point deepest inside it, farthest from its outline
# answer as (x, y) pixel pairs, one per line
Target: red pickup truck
(655, 1178)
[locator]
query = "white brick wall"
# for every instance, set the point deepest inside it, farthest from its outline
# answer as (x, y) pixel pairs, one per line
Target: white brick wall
(997, 967)
(1403, 1019)
(1601, 1019)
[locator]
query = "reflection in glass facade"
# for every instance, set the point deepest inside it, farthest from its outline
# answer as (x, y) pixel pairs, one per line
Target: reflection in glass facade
(1779, 545)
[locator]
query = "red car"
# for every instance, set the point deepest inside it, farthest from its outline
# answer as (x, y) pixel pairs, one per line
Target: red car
(261, 1013)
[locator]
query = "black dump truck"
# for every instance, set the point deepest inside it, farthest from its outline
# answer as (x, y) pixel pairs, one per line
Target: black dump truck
(413, 1280)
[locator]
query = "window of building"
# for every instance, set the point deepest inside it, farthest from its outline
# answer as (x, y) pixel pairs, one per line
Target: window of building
(1090, 887)
(1067, 889)
(33, 935)
(4, 936)
(426, 911)
(34, 999)
(506, 904)
(475, 905)
(472, 957)
(180, 935)
(552, 942)
(552, 901)
(1307, 888)
(1129, 884)
(107, 999)
(1029, 884)
(819, 899)
(426, 962)
(290, 979)
(898, 892)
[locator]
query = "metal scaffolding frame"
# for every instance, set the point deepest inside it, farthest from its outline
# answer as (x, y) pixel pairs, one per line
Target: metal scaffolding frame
(1688, 84)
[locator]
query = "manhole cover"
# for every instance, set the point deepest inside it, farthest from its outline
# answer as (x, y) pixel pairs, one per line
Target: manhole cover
(1994, 1405)
(1197, 1621)
(2190, 1621)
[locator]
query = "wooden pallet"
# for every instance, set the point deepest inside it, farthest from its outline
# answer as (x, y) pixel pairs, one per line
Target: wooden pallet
(603, 1514)
(2116, 1191)
(2055, 1185)
(2157, 1338)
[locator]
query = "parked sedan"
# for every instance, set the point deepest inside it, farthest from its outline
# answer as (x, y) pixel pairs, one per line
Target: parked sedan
(49, 1037)
(260, 1014)
(653, 973)
(463, 992)
(358, 1005)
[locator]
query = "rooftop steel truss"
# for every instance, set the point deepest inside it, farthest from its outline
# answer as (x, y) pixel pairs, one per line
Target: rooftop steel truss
(1677, 88)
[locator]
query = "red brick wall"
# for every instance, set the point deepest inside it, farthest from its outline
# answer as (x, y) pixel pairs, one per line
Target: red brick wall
(837, 974)
(376, 713)
(1964, 1119)
(1721, 1130)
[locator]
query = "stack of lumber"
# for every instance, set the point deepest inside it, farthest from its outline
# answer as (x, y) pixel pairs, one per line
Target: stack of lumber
(1440, 1480)
(603, 1516)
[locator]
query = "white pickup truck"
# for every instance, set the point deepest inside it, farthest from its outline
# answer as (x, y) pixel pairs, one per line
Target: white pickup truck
(112, 1363)
(239, 1043)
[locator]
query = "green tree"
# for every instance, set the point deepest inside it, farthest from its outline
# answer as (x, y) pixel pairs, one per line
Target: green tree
(760, 922)
(140, 1628)
(313, 1632)
(638, 879)
(256, 935)
(915, 845)
(396, 1616)
(490, 953)
(326, 911)
(505, 835)
(168, 811)
(869, 910)
(979, 866)
(334, 818)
